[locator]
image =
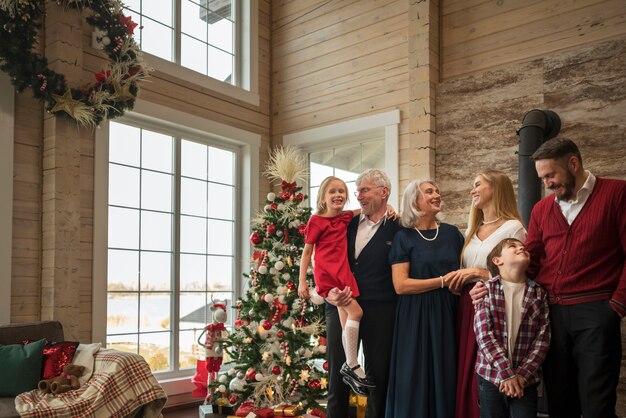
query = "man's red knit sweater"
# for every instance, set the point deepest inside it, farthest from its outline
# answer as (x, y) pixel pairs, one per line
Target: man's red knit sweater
(584, 261)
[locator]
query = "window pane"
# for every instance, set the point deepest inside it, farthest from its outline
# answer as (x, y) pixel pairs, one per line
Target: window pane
(156, 191)
(347, 162)
(156, 151)
(156, 270)
(220, 237)
(128, 343)
(193, 200)
(193, 272)
(222, 8)
(192, 234)
(155, 348)
(123, 228)
(123, 186)
(193, 54)
(124, 144)
(193, 20)
(156, 231)
(221, 201)
(313, 198)
(134, 5)
(221, 35)
(154, 311)
(321, 166)
(122, 311)
(194, 160)
(123, 270)
(159, 10)
(221, 65)
(220, 273)
(156, 39)
(189, 350)
(221, 165)
(193, 309)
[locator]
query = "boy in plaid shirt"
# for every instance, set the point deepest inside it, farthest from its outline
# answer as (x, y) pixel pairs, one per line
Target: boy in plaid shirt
(513, 333)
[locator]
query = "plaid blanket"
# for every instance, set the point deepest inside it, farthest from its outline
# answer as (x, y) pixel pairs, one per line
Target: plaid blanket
(120, 385)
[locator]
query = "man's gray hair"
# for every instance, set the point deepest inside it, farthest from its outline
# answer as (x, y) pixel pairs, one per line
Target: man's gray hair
(376, 176)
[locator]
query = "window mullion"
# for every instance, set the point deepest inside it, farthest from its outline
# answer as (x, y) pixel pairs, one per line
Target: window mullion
(177, 31)
(175, 300)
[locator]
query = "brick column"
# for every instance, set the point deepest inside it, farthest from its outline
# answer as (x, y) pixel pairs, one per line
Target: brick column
(423, 78)
(60, 277)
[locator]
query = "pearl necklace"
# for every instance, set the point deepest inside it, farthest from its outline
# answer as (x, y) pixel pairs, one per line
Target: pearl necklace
(490, 222)
(428, 239)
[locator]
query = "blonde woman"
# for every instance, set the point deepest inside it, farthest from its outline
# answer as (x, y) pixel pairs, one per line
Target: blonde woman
(493, 217)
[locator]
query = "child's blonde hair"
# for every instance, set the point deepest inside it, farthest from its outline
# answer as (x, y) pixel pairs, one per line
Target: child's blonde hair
(321, 204)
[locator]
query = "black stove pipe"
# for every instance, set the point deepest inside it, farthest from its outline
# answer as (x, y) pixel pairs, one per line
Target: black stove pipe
(537, 127)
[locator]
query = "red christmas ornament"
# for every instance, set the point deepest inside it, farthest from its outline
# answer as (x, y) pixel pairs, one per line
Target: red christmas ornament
(276, 370)
(300, 197)
(325, 366)
(291, 286)
(322, 340)
(273, 206)
(284, 195)
(315, 384)
(238, 323)
(267, 325)
(271, 228)
(251, 374)
(280, 334)
(301, 229)
(255, 238)
(232, 399)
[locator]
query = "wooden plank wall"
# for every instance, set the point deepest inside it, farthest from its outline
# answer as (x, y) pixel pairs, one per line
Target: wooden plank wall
(338, 60)
(27, 207)
(483, 34)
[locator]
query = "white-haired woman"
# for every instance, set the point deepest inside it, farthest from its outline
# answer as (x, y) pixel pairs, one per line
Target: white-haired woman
(424, 254)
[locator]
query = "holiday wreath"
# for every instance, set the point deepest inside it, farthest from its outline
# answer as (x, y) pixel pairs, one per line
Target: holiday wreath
(114, 89)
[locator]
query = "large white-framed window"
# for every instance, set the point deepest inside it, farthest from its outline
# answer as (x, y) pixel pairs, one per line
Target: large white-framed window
(173, 203)
(347, 148)
(7, 110)
(212, 43)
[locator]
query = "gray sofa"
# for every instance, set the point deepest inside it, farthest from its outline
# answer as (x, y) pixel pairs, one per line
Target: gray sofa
(15, 334)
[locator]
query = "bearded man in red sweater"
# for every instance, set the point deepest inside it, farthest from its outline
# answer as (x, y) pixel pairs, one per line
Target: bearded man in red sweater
(577, 242)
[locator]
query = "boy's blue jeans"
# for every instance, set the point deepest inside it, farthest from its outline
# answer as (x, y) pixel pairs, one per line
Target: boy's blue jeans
(494, 404)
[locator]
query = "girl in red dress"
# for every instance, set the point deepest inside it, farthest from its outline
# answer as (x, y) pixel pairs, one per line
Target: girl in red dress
(326, 233)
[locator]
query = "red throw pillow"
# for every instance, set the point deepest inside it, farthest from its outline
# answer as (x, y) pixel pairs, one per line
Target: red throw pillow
(56, 355)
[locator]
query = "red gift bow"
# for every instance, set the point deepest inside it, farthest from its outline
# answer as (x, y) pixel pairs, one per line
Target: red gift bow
(245, 408)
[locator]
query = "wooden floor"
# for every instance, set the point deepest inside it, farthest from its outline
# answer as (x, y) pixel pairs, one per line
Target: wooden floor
(191, 411)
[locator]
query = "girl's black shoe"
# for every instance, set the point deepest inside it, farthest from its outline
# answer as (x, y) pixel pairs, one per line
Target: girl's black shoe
(348, 372)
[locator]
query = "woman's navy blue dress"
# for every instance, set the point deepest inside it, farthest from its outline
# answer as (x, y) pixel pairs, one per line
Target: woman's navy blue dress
(422, 375)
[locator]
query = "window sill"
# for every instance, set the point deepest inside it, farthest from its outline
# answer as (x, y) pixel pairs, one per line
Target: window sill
(204, 81)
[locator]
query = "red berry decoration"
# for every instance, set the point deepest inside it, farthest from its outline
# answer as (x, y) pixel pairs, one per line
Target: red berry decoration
(267, 325)
(325, 366)
(275, 370)
(315, 384)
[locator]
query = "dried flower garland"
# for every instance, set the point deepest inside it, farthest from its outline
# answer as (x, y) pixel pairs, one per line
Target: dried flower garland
(114, 89)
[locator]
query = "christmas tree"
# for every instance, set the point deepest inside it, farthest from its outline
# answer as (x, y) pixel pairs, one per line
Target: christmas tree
(278, 344)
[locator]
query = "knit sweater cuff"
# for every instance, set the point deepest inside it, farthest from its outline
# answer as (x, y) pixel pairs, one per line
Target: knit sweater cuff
(619, 308)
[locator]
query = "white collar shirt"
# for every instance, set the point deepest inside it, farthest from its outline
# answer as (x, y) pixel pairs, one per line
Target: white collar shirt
(365, 232)
(571, 208)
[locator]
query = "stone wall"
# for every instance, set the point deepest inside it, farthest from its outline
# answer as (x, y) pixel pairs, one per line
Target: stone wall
(477, 116)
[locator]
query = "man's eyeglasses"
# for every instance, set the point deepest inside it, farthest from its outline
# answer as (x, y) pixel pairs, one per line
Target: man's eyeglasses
(365, 190)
